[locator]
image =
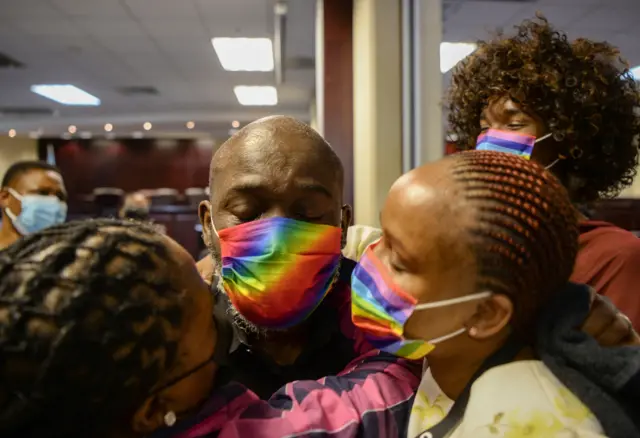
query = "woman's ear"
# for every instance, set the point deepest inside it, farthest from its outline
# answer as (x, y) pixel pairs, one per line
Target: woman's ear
(149, 417)
(492, 316)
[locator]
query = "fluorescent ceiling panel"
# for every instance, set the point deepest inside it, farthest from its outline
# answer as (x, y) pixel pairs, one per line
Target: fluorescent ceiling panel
(66, 94)
(256, 95)
(244, 54)
(453, 53)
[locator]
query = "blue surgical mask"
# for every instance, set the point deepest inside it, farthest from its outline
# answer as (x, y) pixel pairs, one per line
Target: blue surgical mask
(38, 212)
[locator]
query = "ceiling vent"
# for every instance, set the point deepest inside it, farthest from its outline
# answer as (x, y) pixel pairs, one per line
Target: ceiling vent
(8, 62)
(25, 112)
(139, 91)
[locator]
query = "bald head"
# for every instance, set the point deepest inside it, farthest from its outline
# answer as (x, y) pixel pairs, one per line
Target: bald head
(278, 139)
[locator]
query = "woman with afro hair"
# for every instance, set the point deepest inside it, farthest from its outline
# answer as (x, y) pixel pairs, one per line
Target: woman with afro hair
(575, 104)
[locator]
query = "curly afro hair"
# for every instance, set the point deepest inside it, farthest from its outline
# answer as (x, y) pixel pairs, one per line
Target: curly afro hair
(581, 89)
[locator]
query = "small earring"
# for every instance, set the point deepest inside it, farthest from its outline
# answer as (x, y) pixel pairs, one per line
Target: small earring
(170, 418)
(473, 332)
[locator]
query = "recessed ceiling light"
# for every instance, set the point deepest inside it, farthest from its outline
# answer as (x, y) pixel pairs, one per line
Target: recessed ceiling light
(12, 133)
(147, 126)
(453, 53)
(66, 94)
(235, 124)
(256, 95)
(635, 72)
(108, 127)
(191, 125)
(72, 129)
(244, 54)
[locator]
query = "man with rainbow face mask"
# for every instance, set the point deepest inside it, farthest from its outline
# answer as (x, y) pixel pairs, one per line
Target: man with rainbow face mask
(275, 226)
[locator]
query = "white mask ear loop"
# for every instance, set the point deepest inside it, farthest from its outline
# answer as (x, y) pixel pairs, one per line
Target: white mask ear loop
(7, 210)
(544, 137)
(213, 225)
(15, 194)
(453, 301)
(552, 164)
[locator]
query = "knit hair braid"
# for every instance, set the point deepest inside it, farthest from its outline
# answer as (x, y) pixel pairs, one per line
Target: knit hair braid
(525, 234)
(89, 322)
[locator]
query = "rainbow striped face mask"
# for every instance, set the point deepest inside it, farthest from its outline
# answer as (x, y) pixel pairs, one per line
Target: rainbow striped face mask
(381, 310)
(277, 271)
(509, 142)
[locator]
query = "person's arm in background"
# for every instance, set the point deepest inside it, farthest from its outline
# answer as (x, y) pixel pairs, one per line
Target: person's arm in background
(372, 397)
(621, 283)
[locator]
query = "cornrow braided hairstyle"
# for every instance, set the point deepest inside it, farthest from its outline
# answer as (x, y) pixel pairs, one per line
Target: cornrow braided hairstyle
(89, 322)
(524, 234)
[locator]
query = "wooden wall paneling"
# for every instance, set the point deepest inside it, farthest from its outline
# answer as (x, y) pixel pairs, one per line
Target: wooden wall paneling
(338, 84)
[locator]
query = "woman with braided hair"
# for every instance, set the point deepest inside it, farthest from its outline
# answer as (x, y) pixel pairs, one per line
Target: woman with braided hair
(105, 330)
(473, 269)
(571, 106)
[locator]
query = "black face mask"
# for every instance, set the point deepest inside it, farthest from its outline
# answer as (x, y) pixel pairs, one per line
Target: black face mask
(138, 214)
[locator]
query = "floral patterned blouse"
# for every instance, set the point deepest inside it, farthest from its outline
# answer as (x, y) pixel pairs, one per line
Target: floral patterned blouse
(519, 400)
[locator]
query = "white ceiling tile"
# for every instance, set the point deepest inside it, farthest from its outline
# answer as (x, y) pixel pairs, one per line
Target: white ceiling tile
(124, 27)
(90, 8)
(162, 8)
(128, 45)
(18, 45)
(30, 9)
(159, 27)
(44, 27)
(610, 18)
(488, 13)
(558, 16)
(581, 3)
(193, 44)
(585, 4)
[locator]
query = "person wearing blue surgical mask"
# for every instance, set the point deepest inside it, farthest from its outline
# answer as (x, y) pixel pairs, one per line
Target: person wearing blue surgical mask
(32, 198)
